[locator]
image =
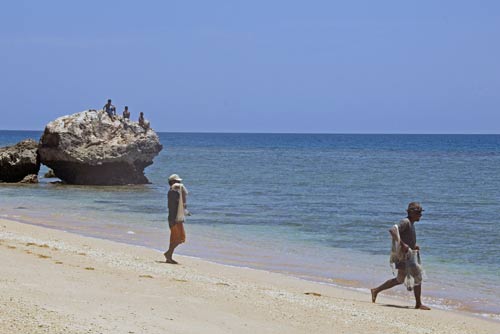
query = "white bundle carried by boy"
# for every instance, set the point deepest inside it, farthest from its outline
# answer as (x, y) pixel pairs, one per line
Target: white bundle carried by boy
(182, 212)
(411, 258)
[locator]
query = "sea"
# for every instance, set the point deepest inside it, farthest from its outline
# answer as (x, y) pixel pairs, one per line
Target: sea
(314, 206)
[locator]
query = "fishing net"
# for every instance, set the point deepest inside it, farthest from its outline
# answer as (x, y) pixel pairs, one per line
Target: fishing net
(181, 211)
(411, 259)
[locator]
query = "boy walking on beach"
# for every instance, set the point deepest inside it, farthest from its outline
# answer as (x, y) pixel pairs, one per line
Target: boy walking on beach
(177, 197)
(405, 233)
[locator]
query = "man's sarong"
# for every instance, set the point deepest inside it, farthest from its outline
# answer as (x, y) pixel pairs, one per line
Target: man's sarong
(177, 234)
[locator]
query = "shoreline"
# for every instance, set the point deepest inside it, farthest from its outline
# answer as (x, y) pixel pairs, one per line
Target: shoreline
(69, 283)
(442, 303)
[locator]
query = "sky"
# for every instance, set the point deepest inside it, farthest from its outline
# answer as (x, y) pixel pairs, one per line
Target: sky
(256, 66)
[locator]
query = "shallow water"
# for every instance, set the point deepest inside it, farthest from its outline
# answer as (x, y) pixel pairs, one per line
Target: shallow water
(316, 206)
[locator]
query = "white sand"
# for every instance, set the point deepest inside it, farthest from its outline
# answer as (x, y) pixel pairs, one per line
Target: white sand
(57, 282)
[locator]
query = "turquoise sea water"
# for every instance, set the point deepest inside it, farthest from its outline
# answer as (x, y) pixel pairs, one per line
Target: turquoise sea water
(315, 206)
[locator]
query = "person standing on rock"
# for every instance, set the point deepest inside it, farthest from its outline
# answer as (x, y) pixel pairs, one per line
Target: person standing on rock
(126, 113)
(109, 109)
(141, 119)
(177, 197)
(142, 122)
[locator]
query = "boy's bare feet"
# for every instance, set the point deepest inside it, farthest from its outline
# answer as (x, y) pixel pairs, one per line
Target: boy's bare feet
(422, 307)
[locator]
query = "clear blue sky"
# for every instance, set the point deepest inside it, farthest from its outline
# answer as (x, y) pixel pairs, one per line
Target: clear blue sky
(256, 66)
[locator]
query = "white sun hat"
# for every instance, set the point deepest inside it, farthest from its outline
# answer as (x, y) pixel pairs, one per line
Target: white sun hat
(174, 177)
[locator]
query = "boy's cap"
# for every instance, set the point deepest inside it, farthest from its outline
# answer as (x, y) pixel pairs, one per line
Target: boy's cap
(174, 177)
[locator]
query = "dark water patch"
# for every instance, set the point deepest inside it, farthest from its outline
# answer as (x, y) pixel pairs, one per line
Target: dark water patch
(96, 208)
(256, 193)
(102, 201)
(291, 224)
(144, 209)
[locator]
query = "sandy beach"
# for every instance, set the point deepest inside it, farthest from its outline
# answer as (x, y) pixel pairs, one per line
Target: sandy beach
(57, 282)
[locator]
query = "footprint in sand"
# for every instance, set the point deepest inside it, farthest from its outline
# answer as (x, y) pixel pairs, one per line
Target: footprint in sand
(145, 276)
(223, 284)
(43, 256)
(58, 262)
(313, 294)
(89, 268)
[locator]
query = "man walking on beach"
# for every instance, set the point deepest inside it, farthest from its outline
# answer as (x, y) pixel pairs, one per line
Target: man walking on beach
(177, 196)
(405, 233)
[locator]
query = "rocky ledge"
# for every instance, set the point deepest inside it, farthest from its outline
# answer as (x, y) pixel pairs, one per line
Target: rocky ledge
(18, 161)
(90, 148)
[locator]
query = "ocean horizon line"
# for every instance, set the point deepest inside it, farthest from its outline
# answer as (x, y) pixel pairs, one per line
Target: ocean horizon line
(305, 133)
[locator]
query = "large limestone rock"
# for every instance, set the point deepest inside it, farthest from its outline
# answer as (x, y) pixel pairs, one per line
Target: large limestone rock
(18, 161)
(91, 148)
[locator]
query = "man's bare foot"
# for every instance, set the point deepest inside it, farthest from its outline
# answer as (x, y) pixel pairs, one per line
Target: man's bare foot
(168, 258)
(422, 307)
(374, 295)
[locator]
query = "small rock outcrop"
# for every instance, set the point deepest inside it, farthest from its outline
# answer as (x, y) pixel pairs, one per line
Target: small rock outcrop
(50, 174)
(32, 178)
(90, 148)
(18, 161)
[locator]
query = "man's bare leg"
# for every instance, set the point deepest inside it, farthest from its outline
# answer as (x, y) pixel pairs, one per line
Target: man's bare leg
(417, 290)
(387, 285)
